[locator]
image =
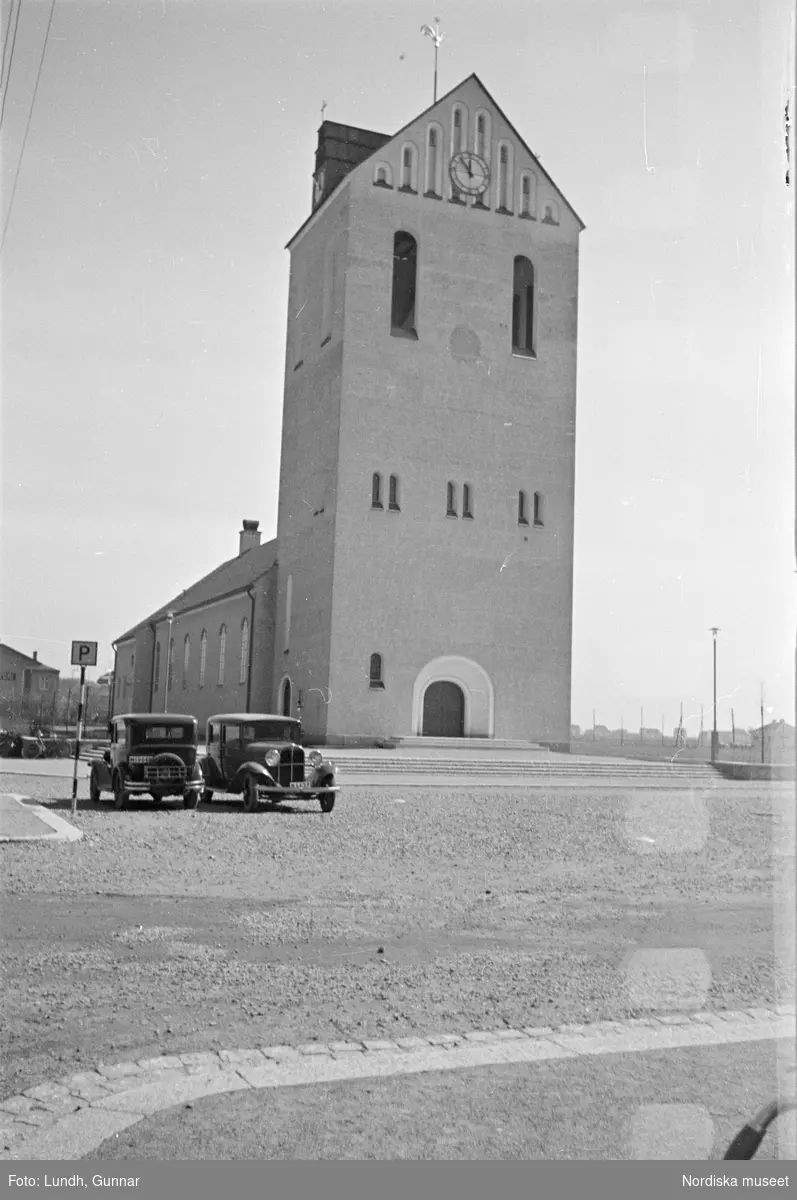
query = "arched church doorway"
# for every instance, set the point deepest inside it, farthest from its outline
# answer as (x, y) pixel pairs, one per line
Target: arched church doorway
(443, 710)
(454, 692)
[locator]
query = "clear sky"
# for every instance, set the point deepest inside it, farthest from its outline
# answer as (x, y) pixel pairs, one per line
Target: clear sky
(144, 288)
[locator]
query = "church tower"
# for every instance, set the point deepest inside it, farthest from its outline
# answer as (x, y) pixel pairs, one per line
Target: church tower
(425, 526)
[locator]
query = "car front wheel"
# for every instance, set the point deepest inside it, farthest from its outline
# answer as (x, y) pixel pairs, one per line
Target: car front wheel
(327, 799)
(120, 793)
(191, 799)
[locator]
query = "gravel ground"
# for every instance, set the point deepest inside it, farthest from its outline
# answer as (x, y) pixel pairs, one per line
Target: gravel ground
(165, 931)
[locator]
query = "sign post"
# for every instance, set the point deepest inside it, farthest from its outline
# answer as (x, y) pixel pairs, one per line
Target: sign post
(84, 654)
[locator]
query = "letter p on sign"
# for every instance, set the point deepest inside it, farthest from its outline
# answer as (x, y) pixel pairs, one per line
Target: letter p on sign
(84, 654)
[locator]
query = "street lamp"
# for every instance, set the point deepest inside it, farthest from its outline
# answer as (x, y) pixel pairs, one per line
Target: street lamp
(715, 739)
(169, 618)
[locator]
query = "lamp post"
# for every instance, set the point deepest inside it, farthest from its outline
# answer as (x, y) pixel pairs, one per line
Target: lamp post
(715, 737)
(169, 618)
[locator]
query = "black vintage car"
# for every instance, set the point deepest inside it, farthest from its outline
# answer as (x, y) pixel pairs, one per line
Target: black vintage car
(260, 756)
(151, 754)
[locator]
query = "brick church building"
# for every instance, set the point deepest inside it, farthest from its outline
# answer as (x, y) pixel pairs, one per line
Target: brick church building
(421, 579)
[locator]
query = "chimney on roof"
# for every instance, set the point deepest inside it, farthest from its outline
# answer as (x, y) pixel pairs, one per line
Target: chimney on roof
(249, 537)
(340, 149)
(35, 655)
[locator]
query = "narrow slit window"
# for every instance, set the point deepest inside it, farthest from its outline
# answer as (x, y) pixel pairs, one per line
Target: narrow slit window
(528, 201)
(523, 307)
(405, 269)
(170, 666)
(222, 650)
(407, 169)
(431, 163)
(503, 179)
(203, 656)
(393, 497)
(479, 140)
(157, 667)
(376, 490)
(451, 500)
(242, 669)
(375, 679)
(522, 514)
(186, 659)
(539, 515)
(467, 501)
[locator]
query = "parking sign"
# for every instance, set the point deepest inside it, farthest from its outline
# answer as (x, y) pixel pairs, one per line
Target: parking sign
(84, 654)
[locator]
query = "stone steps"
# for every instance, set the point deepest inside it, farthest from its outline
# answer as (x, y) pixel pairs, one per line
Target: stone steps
(389, 764)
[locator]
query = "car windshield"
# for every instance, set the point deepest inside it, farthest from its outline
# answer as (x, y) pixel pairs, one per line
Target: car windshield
(180, 734)
(271, 731)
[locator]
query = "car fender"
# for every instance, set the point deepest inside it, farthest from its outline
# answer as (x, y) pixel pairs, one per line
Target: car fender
(102, 774)
(210, 771)
(264, 776)
(324, 768)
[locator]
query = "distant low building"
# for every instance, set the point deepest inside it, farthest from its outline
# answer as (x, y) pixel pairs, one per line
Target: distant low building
(778, 741)
(28, 687)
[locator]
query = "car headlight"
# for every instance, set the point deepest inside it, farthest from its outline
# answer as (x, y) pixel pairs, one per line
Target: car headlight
(314, 758)
(272, 758)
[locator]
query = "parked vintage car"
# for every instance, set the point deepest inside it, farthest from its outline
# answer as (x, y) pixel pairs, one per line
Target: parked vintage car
(261, 757)
(151, 754)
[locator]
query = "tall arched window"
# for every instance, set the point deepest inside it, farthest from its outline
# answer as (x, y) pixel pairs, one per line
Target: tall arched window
(523, 307)
(156, 670)
(186, 659)
(467, 501)
(244, 651)
(504, 186)
(375, 679)
(528, 195)
(458, 142)
(408, 156)
(451, 499)
(376, 490)
(405, 270)
(522, 515)
(222, 650)
(434, 158)
(481, 135)
(392, 494)
(170, 667)
(286, 697)
(203, 656)
(538, 509)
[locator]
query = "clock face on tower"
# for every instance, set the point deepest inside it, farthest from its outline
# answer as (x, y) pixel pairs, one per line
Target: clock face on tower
(469, 173)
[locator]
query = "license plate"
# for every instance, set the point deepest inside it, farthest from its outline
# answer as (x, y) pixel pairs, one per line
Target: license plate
(302, 787)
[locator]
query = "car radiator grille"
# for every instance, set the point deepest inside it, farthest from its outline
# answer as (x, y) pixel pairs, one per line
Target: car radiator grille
(169, 773)
(291, 767)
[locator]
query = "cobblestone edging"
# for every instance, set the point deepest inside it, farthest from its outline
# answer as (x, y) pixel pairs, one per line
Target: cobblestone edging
(70, 1117)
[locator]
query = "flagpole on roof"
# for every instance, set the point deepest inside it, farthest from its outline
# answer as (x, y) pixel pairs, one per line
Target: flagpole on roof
(437, 38)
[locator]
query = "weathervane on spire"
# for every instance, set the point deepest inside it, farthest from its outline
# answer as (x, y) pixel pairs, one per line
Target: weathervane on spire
(437, 38)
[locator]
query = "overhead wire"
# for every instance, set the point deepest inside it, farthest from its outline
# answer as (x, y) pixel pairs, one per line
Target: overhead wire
(11, 39)
(27, 125)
